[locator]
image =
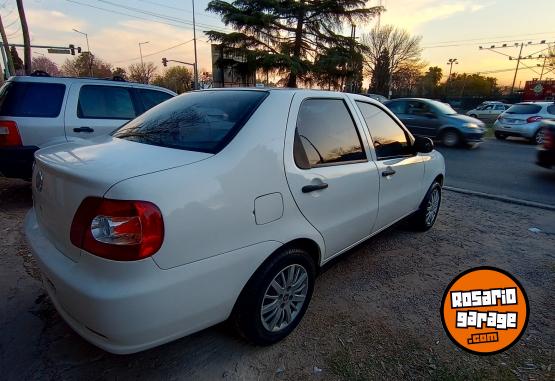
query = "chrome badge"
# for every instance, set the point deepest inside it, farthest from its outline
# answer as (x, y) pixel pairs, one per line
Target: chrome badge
(39, 181)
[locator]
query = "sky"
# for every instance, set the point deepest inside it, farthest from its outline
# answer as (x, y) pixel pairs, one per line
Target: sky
(449, 29)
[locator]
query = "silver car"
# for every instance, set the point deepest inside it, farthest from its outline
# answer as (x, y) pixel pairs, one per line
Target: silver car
(488, 112)
(524, 120)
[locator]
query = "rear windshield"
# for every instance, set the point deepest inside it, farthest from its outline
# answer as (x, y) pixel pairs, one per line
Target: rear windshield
(31, 99)
(200, 121)
(524, 109)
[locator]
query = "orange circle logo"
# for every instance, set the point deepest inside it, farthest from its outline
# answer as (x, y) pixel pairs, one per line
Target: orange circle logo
(484, 310)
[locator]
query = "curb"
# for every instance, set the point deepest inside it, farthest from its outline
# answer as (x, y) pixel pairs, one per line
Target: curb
(506, 199)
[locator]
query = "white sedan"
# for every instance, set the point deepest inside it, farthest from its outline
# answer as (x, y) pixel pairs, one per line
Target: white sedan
(220, 204)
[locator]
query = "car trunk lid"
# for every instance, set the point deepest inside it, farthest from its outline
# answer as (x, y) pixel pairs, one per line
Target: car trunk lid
(64, 175)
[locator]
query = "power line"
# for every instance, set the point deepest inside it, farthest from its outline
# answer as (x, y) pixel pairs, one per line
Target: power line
(472, 44)
(495, 37)
(155, 53)
(177, 9)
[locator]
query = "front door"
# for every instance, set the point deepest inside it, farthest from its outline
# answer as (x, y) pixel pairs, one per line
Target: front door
(333, 182)
(401, 170)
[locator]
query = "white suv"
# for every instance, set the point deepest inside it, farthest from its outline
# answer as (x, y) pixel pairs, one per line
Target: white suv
(220, 203)
(38, 111)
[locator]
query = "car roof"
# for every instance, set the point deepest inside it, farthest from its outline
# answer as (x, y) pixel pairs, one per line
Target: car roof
(70, 80)
(539, 103)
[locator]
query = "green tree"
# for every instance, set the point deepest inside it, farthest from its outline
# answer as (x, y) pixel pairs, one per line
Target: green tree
(429, 83)
(285, 35)
(338, 68)
(176, 78)
(471, 84)
(17, 61)
(405, 80)
(80, 66)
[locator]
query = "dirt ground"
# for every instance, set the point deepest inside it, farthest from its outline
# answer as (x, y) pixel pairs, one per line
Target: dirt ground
(374, 313)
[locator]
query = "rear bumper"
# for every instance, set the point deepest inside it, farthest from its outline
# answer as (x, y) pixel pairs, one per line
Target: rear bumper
(546, 158)
(127, 307)
(527, 130)
(17, 161)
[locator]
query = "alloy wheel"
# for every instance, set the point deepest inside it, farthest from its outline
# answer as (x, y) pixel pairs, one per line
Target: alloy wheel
(284, 298)
(433, 206)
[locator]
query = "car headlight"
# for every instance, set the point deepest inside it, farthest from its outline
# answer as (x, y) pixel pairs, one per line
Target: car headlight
(471, 125)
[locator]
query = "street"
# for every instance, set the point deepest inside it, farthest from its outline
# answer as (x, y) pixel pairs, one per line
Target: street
(502, 168)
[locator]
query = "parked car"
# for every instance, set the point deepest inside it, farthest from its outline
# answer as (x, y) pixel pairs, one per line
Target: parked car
(434, 119)
(488, 112)
(378, 97)
(38, 111)
(546, 153)
(217, 204)
(524, 120)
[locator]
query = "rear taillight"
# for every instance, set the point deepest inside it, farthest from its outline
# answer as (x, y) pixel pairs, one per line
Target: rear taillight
(548, 138)
(533, 119)
(116, 229)
(9, 134)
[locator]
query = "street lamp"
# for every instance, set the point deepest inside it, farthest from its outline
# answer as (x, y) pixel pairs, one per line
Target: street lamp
(451, 62)
(141, 51)
(88, 49)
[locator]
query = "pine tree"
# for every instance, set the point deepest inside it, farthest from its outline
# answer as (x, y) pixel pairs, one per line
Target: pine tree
(286, 35)
(381, 75)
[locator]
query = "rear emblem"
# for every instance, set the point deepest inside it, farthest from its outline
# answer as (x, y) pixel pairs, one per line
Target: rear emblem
(39, 181)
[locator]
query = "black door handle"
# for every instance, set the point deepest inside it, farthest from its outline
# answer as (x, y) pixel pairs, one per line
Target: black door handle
(388, 172)
(83, 129)
(312, 188)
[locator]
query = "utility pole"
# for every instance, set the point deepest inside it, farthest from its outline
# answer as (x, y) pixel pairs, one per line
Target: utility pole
(26, 39)
(141, 52)
(195, 47)
(88, 51)
(517, 65)
(10, 67)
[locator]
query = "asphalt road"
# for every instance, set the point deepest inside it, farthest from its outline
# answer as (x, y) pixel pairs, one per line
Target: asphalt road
(502, 168)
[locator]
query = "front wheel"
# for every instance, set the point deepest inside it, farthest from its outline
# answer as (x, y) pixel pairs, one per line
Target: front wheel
(450, 138)
(276, 298)
(426, 215)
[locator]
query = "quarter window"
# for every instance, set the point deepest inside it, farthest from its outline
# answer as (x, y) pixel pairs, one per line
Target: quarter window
(326, 134)
(153, 98)
(390, 140)
(105, 102)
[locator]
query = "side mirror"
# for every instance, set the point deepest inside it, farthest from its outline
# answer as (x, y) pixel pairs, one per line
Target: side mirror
(423, 145)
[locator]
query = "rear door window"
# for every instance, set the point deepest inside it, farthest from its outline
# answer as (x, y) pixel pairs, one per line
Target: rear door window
(398, 107)
(31, 99)
(524, 109)
(105, 102)
(153, 98)
(326, 134)
(200, 121)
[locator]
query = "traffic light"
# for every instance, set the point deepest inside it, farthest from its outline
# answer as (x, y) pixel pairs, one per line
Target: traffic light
(164, 62)
(72, 49)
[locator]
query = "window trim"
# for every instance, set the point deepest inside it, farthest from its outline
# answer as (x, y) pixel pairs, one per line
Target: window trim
(408, 135)
(333, 164)
(131, 96)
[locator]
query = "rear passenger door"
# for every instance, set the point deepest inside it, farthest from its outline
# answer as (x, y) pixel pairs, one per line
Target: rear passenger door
(98, 109)
(401, 171)
(330, 174)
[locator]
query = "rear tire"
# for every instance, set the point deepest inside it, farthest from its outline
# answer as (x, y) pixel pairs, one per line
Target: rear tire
(538, 137)
(474, 116)
(450, 138)
(276, 297)
(427, 214)
(500, 136)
